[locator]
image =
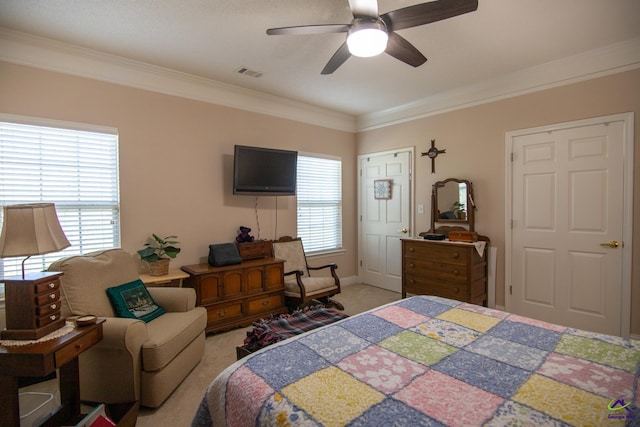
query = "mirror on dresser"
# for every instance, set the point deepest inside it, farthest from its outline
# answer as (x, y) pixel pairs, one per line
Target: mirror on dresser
(452, 206)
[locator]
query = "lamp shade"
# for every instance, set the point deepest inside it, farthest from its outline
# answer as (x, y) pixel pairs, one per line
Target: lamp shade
(31, 229)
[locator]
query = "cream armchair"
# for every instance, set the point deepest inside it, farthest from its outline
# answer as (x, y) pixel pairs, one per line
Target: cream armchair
(135, 360)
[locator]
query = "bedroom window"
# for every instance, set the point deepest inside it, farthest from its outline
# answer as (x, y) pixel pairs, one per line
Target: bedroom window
(74, 166)
(319, 194)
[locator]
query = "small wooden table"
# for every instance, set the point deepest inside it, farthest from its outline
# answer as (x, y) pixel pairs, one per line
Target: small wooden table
(40, 360)
(174, 278)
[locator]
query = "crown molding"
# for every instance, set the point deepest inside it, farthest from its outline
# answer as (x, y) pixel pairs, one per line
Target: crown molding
(27, 49)
(609, 60)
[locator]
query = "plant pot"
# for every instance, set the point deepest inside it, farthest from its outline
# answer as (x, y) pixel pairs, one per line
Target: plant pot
(159, 268)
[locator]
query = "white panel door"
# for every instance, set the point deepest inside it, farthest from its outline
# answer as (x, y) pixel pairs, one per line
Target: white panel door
(567, 206)
(383, 222)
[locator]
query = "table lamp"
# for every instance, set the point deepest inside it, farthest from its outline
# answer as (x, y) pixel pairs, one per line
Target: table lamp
(32, 300)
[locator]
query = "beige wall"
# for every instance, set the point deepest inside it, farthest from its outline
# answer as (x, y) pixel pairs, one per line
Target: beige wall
(176, 154)
(475, 142)
(176, 159)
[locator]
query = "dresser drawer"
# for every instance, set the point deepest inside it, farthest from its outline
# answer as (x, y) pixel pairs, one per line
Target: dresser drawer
(47, 287)
(420, 285)
(220, 314)
(48, 318)
(434, 269)
(69, 352)
(266, 304)
(50, 307)
(48, 298)
(457, 254)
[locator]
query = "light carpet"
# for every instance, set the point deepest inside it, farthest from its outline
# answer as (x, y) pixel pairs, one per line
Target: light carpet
(220, 352)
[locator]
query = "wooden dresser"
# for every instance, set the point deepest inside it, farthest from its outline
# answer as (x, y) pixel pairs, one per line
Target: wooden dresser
(32, 306)
(447, 269)
(237, 295)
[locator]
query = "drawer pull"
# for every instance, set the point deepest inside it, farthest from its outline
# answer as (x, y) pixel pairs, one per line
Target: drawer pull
(412, 249)
(222, 313)
(52, 317)
(412, 265)
(412, 281)
(52, 296)
(53, 306)
(456, 255)
(456, 290)
(52, 285)
(265, 303)
(456, 272)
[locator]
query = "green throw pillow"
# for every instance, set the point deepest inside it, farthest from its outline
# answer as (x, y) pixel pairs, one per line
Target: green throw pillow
(134, 301)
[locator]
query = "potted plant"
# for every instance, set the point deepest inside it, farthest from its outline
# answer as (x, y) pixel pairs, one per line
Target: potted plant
(458, 209)
(158, 253)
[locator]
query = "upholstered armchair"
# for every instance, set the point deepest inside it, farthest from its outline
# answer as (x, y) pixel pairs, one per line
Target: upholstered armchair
(135, 360)
(300, 287)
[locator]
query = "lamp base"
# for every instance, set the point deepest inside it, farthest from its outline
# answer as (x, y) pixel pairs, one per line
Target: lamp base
(32, 306)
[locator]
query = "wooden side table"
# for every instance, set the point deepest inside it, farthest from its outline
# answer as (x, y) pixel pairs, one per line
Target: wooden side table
(174, 278)
(40, 360)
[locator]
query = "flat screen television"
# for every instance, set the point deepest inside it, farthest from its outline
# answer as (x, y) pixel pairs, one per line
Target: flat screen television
(264, 171)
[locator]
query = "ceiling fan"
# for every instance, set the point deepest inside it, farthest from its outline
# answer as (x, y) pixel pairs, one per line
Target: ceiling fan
(370, 34)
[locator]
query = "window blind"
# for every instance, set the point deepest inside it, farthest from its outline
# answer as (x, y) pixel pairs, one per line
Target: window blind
(76, 169)
(319, 195)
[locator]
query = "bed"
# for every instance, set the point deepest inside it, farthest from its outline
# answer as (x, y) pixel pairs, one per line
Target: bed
(430, 361)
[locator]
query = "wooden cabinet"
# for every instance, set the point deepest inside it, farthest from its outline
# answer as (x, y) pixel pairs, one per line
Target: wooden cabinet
(32, 306)
(237, 295)
(447, 269)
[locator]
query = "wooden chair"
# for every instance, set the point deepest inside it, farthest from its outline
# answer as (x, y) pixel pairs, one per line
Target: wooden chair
(300, 288)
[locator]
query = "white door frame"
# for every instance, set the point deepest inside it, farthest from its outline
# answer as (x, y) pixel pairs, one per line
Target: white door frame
(628, 120)
(412, 155)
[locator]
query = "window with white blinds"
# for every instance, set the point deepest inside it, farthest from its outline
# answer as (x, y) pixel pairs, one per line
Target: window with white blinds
(319, 194)
(73, 166)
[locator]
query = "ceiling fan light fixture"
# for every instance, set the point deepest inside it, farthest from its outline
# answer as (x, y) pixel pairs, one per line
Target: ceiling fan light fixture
(367, 38)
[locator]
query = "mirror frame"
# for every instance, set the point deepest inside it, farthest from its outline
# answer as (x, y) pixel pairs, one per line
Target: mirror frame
(471, 206)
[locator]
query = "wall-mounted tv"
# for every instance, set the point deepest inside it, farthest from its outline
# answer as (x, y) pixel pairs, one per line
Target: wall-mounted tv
(264, 171)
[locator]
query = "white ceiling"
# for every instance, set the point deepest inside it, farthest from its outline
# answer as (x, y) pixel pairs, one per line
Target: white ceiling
(211, 39)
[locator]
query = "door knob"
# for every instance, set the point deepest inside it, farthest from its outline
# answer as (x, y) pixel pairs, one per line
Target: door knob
(404, 230)
(612, 244)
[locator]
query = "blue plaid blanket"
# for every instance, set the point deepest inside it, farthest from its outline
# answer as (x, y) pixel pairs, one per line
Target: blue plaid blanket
(267, 332)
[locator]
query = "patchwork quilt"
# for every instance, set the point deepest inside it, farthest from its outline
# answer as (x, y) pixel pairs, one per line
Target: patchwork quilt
(429, 361)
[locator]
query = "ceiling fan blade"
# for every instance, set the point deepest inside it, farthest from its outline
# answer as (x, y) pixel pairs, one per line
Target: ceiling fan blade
(338, 58)
(425, 13)
(364, 8)
(310, 29)
(401, 49)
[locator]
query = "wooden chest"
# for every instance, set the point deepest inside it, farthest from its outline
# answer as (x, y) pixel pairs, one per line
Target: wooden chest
(32, 306)
(237, 295)
(447, 269)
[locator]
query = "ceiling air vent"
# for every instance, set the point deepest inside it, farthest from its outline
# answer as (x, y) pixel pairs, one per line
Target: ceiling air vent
(248, 72)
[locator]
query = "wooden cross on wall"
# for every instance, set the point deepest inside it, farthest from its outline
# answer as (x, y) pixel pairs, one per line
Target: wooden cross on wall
(433, 153)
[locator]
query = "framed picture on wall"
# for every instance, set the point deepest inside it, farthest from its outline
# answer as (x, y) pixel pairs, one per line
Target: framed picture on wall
(382, 189)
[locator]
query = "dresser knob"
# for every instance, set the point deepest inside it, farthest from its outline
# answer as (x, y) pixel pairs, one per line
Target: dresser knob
(456, 255)
(412, 281)
(52, 285)
(456, 290)
(412, 265)
(53, 306)
(52, 317)
(222, 313)
(456, 272)
(52, 296)
(412, 249)
(265, 303)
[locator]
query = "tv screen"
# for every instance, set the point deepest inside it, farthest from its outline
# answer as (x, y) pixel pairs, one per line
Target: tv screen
(264, 171)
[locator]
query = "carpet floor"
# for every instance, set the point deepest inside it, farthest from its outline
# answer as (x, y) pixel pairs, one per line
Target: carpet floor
(220, 352)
